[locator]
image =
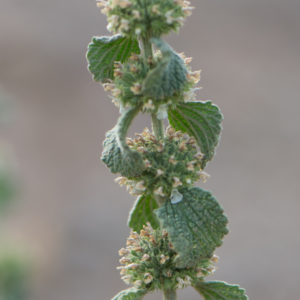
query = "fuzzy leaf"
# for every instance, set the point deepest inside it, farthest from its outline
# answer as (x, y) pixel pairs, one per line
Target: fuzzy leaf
(196, 225)
(116, 154)
(219, 290)
(142, 212)
(104, 51)
(168, 76)
(201, 120)
(131, 294)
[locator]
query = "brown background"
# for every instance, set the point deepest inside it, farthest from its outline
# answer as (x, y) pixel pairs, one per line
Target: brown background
(70, 215)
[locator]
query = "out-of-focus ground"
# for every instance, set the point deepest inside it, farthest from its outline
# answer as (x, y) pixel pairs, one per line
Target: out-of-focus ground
(70, 214)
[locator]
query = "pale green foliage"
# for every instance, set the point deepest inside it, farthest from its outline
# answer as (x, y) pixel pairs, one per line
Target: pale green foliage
(168, 76)
(142, 212)
(131, 294)
(116, 154)
(201, 120)
(218, 290)
(196, 225)
(162, 168)
(104, 51)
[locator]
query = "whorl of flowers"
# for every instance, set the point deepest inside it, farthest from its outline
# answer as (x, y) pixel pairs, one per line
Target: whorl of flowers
(136, 17)
(148, 262)
(170, 163)
(126, 89)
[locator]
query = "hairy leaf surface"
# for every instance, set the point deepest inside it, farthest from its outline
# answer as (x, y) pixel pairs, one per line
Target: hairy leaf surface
(116, 153)
(201, 120)
(104, 51)
(168, 76)
(219, 290)
(142, 212)
(131, 294)
(196, 225)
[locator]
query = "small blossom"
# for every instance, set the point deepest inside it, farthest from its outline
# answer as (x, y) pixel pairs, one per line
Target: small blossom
(101, 3)
(176, 197)
(187, 11)
(140, 185)
(190, 165)
(172, 160)
(169, 273)
(124, 25)
(148, 227)
(133, 266)
(182, 146)
(123, 272)
(138, 283)
(136, 88)
(127, 279)
(178, 134)
(203, 176)
(199, 156)
(138, 249)
(199, 272)
(188, 60)
(194, 76)
(159, 172)
(116, 92)
(119, 103)
(124, 260)
(191, 141)
(140, 138)
(188, 181)
(148, 164)
(180, 283)
(121, 180)
(134, 57)
(131, 241)
(165, 234)
(211, 269)
(148, 278)
(169, 17)
(108, 86)
(187, 280)
(160, 148)
(123, 251)
(106, 10)
(163, 259)
(142, 150)
(177, 182)
(149, 105)
(129, 142)
(113, 22)
(155, 9)
(133, 69)
(118, 72)
(144, 233)
(136, 14)
(159, 191)
(153, 139)
(215, 258)
(180, 20)
(124, 3)
(146, 257)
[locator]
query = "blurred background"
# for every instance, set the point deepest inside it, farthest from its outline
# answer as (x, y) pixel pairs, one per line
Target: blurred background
(69, 215)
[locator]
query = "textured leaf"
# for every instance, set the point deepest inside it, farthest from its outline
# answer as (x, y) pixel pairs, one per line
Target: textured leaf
(116, 154)
(219, 290)
(201, 120)
(168, 76)
(112, 155)
(196, 225)
(104, 51)
(131, 294)
(142, 212)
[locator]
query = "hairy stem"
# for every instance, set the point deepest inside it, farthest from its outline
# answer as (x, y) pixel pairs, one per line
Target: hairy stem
(157, 127)
(170, 295)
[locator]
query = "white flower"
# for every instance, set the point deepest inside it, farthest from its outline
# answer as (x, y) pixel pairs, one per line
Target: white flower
(138, 31)
(159, 191)
(159, 172)
(137, 284)
(203, 176)
(163, 259)
(127, 279)
(162, 112)
(176, 197)
(124, 3)
(136, 14)
(113, 22)
(149, 105)
(177, 182)
(148, 278)
(169, 17)
(124, 25)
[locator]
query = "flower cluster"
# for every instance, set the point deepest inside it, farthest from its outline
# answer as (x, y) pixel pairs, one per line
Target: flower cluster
(134, 17)
(126, 89)
(170, 164)
(148, 262)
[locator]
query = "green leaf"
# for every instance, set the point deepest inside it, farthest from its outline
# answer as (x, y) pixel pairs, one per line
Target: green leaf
(196, 225)
(219, 290)
(104, 51)
(142, 212)
(168, 76)
(201, 120)
(131, 294)
(116, 153)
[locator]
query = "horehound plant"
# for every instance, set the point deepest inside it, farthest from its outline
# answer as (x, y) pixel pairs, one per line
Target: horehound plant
(176, 227)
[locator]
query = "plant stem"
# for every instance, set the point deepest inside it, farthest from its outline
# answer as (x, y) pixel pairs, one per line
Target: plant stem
(170, 295)
(157, 127)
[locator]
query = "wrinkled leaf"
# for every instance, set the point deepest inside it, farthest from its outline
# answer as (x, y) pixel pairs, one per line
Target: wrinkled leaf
(104, 51)
(142, 212)
(131, 294)
(117, 155)
(168, 76)
(219, 290)
(201, 120)
(196, 225)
